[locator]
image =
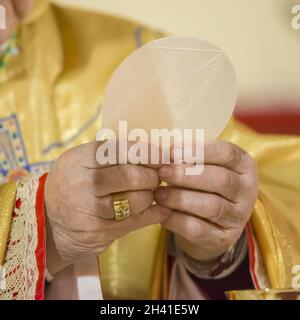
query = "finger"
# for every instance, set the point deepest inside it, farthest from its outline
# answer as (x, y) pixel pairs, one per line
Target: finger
(138, 202)
(214, 179)
(122, 178)
(99, 230)
(194, 229)
(224, 154)
(117, 229)
(153, 215)
(95, 155)
(203, 205)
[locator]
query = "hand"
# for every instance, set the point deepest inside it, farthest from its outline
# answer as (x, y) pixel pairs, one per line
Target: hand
(211, 209)
(15, 11)
(79, 204)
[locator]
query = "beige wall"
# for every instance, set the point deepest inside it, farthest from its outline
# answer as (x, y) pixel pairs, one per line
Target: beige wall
(256, 34)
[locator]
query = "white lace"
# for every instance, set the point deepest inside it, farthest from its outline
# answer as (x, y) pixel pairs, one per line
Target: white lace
(20, 262)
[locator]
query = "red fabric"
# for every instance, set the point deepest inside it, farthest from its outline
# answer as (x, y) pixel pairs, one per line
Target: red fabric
(40, 252)
(251, 251)
(280, 122)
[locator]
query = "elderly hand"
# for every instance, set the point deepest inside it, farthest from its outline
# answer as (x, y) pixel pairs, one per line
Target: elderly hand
(79, 204)
(210, 210)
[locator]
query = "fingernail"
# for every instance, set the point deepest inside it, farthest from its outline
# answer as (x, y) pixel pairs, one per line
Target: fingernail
(160, 194)
(165, 172)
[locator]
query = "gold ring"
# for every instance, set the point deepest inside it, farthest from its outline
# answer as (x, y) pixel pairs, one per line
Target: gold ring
(121, 207)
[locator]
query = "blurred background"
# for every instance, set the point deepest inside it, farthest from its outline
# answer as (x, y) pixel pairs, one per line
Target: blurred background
(258, 37)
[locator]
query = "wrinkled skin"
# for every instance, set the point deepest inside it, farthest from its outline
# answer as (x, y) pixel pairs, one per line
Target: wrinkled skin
(211, 210)
(79, 202)
(207, 212)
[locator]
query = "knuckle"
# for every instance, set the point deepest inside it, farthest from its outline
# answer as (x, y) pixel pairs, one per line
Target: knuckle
(194, 230)
(251, 181)
(231, 184)
(216, 208)
(177, 197)
(232, 153)
(251, 165)
(227, 181)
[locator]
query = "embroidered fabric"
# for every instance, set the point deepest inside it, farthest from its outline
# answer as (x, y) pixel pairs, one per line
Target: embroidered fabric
(20, 261)
(257, 269)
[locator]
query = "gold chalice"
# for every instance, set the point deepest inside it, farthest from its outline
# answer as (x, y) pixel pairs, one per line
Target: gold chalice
(267, 294)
